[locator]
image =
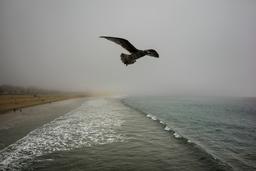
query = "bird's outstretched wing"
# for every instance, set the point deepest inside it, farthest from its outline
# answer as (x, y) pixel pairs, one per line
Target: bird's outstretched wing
(122, 42)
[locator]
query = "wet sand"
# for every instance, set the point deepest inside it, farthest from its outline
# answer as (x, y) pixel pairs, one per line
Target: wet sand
(15, 125)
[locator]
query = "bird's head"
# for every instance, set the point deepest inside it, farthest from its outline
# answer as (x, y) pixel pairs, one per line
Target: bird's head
(152, 52)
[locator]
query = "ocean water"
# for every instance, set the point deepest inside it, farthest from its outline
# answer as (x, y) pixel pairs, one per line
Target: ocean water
(137, 134)
(84, 127)
(225, 128)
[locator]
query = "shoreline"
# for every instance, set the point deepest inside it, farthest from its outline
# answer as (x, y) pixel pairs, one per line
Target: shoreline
(13, 103)
(91, 128)
(15, 125)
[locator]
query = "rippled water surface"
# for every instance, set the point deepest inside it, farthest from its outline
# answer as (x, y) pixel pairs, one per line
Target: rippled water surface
(105, 134)
(223, 127)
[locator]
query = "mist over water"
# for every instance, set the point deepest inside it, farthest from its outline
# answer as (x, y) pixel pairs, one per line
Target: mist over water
(205, 47)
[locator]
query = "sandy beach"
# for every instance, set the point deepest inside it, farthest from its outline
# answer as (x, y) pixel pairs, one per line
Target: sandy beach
(18, 102)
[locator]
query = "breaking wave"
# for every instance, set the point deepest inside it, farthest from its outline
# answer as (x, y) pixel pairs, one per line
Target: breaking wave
(93, 123)
(183, 139)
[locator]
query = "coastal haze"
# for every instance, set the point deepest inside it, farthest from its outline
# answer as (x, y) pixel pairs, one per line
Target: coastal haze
(205, 47)
(194, 108)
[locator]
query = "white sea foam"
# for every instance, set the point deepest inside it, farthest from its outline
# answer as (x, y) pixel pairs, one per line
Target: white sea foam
(161, 122)
(93, 123)
(152, 117)
(176, 135)
(149, 116)
(167, 128)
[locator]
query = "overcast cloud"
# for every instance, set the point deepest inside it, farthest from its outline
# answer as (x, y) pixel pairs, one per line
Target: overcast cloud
(205, 46)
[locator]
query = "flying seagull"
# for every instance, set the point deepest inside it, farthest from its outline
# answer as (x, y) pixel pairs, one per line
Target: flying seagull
(128, 59)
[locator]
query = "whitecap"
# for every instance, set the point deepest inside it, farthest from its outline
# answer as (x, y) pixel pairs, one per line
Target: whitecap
(161, 122)
(167, 128)
(154, 118)
(151, 117)
(176, 135)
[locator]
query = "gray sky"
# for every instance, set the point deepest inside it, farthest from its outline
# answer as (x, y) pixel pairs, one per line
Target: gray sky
(205, 46)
